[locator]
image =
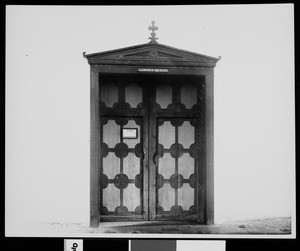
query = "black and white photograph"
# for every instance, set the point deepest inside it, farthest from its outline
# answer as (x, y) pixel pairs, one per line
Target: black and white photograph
(150, 121)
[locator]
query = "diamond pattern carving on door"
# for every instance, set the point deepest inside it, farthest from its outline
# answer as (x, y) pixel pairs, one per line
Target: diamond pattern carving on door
(121, 168)
(176, 166)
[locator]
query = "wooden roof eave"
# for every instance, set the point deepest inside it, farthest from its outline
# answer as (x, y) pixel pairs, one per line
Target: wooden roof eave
(151, 62)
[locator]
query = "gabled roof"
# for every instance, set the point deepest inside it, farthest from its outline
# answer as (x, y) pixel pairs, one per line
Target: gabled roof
(151, 54)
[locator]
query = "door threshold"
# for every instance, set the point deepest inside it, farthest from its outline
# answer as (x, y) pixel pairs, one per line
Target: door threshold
(147, 223)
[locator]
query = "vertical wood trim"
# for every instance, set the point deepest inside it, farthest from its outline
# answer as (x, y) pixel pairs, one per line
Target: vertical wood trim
(152, 152)
(100, 166)
(121, 158)
(145, 166)
(94, 150)
(176, 163)
(201, 159)
(209, 126)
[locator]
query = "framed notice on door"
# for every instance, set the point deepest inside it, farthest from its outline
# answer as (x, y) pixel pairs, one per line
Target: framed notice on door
(129, 133)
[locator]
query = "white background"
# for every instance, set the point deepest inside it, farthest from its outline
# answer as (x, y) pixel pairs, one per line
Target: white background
(47, 103)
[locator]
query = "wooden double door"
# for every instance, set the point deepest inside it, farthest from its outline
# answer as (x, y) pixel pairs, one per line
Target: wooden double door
(152, 157)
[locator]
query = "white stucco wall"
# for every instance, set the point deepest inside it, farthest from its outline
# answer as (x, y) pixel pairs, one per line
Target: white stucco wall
(47, 103)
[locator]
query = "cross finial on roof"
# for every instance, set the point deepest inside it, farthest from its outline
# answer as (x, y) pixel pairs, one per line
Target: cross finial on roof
(153, 34)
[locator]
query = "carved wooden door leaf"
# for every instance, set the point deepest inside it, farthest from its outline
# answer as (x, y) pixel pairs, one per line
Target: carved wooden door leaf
(155, 174)
(175, 166)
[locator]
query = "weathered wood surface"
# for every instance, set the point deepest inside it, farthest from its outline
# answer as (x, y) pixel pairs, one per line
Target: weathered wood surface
(163, 95)
(124, 69)
(209, 126)
(152, 157)
(109, 94)
(133, 95)
(94, 151)
(188, 96)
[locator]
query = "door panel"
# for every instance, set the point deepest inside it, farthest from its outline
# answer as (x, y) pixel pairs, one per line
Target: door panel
(133, 95)
(109, 94)
(163, 95)
(175, 189)
(122, 172)
(176, 130)
(188, 96)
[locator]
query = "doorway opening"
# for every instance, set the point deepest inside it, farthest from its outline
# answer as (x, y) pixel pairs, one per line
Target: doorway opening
(152, 161)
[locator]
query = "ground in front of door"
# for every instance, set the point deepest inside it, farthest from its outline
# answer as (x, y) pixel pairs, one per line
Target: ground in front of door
(257, 226)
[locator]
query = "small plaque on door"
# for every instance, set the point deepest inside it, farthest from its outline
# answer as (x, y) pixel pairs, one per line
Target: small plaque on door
(129, 133)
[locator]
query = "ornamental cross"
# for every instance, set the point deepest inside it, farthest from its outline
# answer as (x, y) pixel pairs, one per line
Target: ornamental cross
(153, 28)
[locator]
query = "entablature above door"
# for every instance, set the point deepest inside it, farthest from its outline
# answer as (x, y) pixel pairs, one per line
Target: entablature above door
(151, 54)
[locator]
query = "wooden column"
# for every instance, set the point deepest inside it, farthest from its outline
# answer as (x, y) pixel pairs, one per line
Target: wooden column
(94, 151)
(209, 148)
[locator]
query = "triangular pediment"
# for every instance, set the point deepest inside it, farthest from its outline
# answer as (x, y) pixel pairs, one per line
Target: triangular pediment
(151, 52)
